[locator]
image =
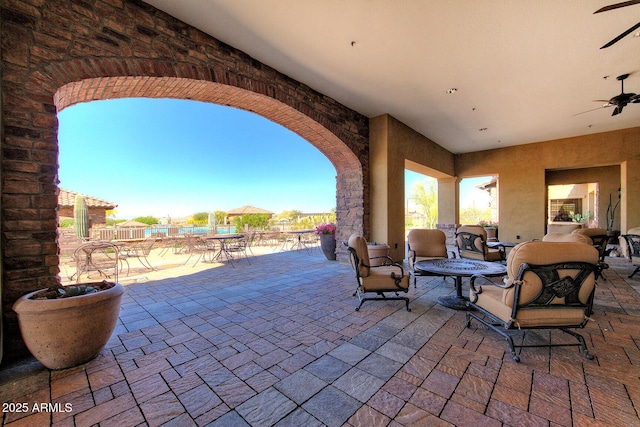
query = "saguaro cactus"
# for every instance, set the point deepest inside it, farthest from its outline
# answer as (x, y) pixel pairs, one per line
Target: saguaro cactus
(81, 217)
(211, 222)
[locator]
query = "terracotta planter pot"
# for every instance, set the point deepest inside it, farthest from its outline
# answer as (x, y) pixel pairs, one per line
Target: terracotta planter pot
(375, 254)
(66, 332)
(328, 246)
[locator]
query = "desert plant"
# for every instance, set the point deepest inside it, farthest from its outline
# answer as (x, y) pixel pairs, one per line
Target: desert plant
(580, 218)
(611, 212)
(81, 217)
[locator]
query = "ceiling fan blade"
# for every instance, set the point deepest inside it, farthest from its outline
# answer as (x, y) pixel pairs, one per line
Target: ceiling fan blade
(606, 101)
(635, 99)
(617, 39)
(617, 6)
(594, 109)
(618, 110)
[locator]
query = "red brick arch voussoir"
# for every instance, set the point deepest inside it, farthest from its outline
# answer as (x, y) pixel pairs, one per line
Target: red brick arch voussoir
(93, 89)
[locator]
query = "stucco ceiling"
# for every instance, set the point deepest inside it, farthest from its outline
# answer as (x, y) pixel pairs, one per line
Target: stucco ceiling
(523, 69)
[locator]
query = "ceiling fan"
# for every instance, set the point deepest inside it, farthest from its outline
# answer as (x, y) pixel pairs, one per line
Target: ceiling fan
(617, 6)
(620, 101)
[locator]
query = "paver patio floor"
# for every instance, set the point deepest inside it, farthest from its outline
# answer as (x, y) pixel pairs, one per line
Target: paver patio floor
(278, 342)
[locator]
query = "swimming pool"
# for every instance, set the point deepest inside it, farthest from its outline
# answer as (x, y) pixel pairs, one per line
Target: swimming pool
(172, 231)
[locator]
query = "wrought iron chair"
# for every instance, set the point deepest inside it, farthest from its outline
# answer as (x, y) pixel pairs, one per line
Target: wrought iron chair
(202, 248)
(140, 251)
(97, 256)
(550, 285)
(630, 247)
(237, 246)
(599, 239)
(379, 280)
(472, 243)
(425, 244)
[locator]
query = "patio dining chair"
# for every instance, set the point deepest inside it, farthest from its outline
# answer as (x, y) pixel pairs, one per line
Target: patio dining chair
(238, 246)
(140, 251)
(196, 246)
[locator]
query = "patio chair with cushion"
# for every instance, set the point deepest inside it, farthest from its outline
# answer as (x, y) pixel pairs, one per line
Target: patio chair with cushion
(566, 238)
(425, 244)
(550, 285)
(387, 278)
(140, 251)
(630, 248)
(563, 227)
(472, 243)
(599, 239)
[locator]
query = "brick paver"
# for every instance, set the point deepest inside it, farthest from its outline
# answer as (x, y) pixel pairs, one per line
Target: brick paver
(278, 342)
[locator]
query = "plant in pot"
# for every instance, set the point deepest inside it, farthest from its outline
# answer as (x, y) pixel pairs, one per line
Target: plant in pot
(491, 228)
(65, 326)
(327, 234)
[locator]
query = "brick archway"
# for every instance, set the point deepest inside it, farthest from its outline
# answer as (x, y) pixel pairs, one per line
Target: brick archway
(343, 159)
(55, 54)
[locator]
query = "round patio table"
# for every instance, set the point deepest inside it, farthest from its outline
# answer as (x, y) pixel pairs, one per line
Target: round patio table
(459, 268)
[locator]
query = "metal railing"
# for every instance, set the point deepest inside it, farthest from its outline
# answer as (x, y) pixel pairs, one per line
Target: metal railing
(140, 233)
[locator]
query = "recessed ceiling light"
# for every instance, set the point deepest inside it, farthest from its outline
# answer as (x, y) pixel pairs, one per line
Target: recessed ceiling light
(452, 90)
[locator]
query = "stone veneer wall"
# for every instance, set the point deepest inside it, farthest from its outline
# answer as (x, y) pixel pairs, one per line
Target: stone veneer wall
(449, 231)
(58, 53)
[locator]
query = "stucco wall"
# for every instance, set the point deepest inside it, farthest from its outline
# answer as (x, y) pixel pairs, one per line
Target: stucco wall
(522, 172)
(612, 159)
(392, 143)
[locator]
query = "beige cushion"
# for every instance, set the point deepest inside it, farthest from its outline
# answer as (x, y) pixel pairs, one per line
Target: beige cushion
(563, 227)
(379, 279)
(491, 300)
(428, 243)
(591, 231)
(543, 253)
(359, 243)
(567, 238)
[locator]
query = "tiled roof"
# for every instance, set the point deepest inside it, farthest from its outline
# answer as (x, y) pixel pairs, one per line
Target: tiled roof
(67, 198)
(247, 210)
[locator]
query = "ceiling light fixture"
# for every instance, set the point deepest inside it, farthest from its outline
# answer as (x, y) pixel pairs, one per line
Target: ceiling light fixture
(452, 90)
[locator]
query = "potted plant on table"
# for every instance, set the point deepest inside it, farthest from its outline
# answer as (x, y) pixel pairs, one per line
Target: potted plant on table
(327, 234)
(65, 326)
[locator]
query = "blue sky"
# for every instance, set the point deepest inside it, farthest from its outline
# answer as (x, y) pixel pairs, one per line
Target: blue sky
(175, 157)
